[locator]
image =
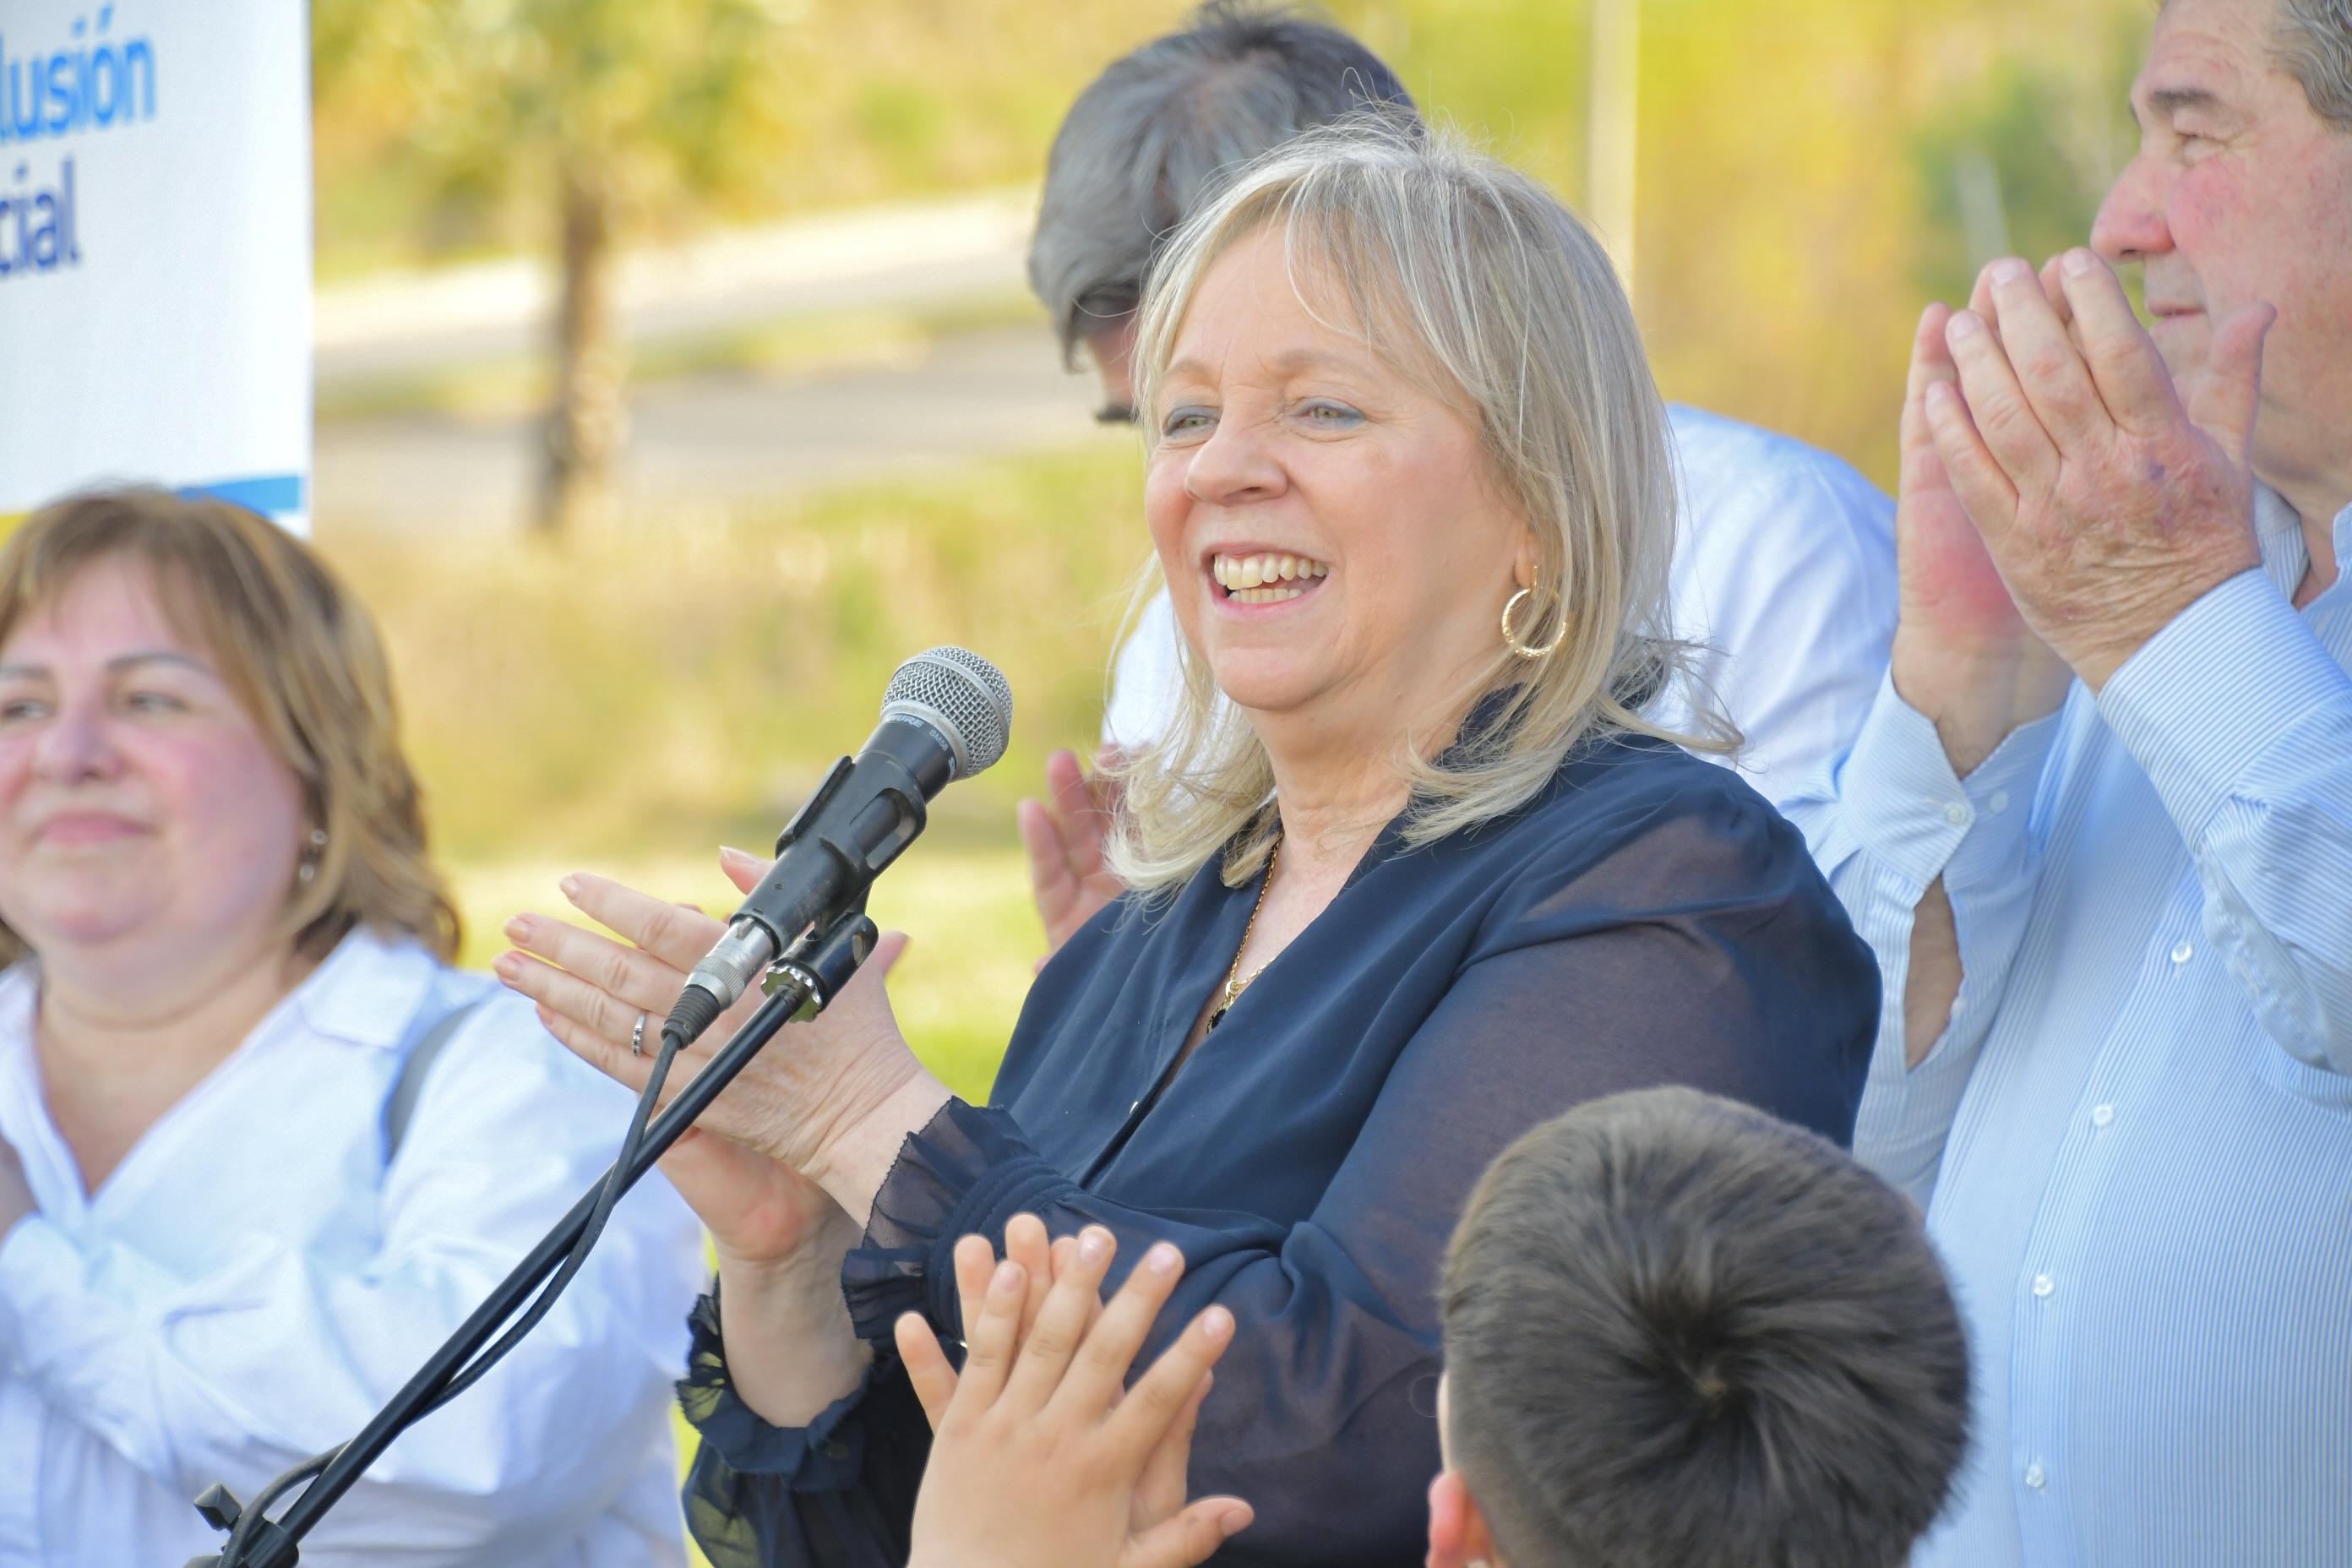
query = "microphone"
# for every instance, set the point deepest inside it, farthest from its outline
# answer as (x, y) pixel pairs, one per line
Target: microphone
(946, 715)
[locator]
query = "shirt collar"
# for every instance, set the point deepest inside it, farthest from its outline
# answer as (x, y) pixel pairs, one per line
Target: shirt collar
(2286, 554)
(2278, 529)
(368, 989)
(19, 986)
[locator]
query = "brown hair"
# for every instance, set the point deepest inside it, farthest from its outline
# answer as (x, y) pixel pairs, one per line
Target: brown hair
(304, 661)
(1678, 1330)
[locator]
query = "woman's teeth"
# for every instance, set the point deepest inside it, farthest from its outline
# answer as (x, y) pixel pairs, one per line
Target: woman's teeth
(1264, 579)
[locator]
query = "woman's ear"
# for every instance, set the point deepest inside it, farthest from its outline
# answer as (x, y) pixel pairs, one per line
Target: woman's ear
(1528, 560)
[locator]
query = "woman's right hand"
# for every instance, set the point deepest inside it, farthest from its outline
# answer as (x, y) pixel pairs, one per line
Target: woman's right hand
(760, 1211)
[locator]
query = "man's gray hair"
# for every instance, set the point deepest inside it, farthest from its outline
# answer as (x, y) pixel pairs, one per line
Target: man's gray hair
(1149, 138)
(2315, 45)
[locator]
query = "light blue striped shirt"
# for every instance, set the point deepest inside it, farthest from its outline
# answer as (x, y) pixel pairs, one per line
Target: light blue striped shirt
(2134, 1139)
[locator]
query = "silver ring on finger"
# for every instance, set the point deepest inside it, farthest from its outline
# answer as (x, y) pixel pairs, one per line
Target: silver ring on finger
(637, 1038)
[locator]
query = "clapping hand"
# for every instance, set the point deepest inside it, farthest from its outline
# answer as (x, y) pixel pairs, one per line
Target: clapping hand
(590, 989)
(2107, 505)
(1064, 835)
(1042, 1457)
(1964, 655)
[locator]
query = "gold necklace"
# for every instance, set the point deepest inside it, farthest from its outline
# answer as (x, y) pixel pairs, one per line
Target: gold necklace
(1235, 985)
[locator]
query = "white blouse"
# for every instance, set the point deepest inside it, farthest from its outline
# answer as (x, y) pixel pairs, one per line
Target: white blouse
(255, 1280)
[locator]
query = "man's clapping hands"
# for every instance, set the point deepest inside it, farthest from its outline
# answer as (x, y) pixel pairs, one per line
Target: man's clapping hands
(2107, 505)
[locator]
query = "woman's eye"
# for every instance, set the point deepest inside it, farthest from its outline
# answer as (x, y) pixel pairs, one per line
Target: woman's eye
(153, 703)
(1332, 414)
(1187, 422)
(14, 709)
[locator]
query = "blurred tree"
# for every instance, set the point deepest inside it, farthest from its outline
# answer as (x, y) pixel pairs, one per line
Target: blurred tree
(604, 110)
(2018, 161)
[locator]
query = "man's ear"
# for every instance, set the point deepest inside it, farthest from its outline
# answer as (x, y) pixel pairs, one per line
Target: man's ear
(1458, 1537)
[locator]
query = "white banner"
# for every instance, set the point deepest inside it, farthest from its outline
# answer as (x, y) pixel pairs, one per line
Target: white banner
(155, 249)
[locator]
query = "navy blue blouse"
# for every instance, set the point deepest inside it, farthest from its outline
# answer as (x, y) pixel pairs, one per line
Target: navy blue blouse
(1646, 919)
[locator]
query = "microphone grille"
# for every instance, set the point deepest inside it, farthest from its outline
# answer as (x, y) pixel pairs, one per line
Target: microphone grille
(962, 696)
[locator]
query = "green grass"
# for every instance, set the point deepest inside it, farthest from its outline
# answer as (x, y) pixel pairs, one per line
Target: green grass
(626, 702)
(669, 686)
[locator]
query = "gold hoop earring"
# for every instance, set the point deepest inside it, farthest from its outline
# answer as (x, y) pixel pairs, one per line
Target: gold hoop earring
(1511, 638)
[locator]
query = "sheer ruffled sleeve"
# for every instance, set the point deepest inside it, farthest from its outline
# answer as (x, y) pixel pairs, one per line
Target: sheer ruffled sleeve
(839, 1491)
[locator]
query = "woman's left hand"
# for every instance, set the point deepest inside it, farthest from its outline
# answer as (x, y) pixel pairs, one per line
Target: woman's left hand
(819, 1100)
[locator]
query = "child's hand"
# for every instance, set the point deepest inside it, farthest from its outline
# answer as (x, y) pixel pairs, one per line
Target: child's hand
(1043, 1458)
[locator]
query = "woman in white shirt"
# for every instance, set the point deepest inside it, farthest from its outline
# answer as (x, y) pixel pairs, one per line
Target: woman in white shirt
(221, 1247)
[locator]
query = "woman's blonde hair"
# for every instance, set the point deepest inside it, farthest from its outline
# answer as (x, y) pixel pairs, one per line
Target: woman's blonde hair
(302, 658)
(1469, 278)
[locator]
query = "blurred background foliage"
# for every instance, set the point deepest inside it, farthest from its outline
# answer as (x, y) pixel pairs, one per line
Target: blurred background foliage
(1810, 173)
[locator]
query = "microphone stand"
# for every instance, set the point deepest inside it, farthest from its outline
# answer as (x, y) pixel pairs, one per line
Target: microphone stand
(809, 977)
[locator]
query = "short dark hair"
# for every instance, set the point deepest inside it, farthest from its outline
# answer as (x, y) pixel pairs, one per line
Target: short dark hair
(1679, 1332)
(1149, 138)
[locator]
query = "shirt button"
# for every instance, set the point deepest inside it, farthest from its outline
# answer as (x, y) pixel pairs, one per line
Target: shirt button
(2183, 953)
(2036, 1477)
(2102, 1115)
(1956, 814)
(2044, 1285)
(1998, 801)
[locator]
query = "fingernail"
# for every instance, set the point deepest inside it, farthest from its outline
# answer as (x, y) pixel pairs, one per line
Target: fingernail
(1006, 1279)
(518, 929)
(507, 965)
(2010, 270)
(1234, 1520)
(1216, 1322)
(1163, 1259)
(1094, 1246)
(1964, 325)
(2079, 263)
(729, 852)
(571, 886)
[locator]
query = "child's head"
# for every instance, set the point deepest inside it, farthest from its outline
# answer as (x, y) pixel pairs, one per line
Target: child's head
(1679, 1332)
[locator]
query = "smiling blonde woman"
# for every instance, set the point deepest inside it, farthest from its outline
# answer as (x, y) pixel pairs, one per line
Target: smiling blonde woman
(1413, 875)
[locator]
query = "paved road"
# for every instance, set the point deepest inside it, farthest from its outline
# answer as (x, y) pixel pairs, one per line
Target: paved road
(712, 438)
(719, 438)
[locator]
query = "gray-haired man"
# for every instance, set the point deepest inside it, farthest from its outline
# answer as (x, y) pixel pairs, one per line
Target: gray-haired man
(2098, 826)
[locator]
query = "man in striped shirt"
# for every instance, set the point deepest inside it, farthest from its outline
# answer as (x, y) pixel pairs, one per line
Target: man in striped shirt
(2098, 826)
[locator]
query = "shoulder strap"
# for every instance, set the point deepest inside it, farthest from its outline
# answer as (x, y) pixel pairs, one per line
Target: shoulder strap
(409, 1087)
